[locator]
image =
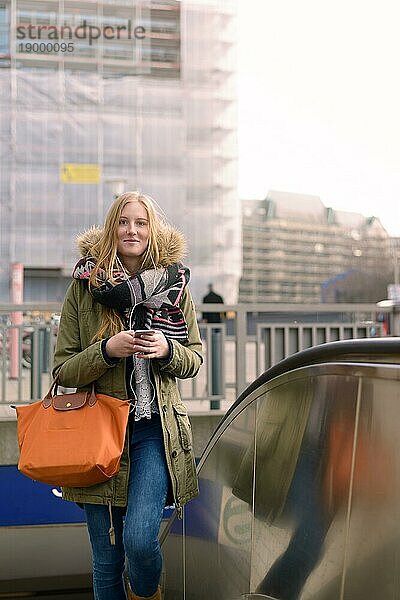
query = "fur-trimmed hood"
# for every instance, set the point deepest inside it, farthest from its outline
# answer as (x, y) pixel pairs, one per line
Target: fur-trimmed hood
(172, 244)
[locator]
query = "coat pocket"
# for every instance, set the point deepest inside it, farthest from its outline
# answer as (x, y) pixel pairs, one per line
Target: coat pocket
(184, 427)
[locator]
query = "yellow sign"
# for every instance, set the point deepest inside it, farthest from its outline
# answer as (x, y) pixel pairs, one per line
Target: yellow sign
(80, 173)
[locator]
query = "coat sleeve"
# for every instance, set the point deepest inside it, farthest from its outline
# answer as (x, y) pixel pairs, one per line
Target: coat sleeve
(186, 359)
(74, 365)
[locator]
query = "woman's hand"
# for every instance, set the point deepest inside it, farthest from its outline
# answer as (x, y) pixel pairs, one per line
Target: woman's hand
(151, 344)
(121, 344)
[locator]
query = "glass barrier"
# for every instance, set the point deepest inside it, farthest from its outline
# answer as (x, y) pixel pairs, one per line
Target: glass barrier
(299, 495)
(218, 525)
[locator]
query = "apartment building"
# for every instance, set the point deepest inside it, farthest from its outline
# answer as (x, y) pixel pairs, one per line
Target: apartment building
(296, 249)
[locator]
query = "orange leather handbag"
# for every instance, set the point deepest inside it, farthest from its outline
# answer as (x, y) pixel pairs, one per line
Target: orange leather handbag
(73, 440)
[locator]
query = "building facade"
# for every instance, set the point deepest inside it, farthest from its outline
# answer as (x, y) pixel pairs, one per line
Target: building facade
(141, 96)
(295, 249)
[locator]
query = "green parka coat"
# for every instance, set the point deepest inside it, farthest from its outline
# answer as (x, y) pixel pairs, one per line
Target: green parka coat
(78, 362)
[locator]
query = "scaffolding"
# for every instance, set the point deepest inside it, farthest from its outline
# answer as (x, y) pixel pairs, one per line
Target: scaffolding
(156, 112)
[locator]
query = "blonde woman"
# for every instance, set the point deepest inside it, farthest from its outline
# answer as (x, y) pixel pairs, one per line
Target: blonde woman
(128, 324)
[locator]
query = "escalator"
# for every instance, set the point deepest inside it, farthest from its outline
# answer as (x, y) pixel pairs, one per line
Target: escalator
(299, 485)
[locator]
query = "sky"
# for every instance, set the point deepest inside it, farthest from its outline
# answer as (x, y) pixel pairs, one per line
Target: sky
(319, 102)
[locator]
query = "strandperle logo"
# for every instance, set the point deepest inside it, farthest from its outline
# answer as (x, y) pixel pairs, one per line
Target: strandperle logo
(81, 32)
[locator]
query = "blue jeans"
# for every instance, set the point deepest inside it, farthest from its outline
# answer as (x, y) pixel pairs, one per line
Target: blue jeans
(136, 535)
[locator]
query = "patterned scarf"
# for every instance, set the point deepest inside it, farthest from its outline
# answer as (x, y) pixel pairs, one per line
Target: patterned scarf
(150, 299)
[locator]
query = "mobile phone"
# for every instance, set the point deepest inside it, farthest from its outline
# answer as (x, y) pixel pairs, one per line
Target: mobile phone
(144, 331)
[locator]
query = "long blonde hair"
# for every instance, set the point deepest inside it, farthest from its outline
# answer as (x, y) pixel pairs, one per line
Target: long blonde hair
(105, 253)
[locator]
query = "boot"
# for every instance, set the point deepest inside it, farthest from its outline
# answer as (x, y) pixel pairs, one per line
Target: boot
(132, 596)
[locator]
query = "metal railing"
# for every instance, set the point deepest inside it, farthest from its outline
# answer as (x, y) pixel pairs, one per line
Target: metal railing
(252, 338)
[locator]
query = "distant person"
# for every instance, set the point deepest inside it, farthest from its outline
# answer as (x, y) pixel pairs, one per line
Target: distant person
(213, 298)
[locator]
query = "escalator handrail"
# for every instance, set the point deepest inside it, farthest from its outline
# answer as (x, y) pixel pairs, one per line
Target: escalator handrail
(365, 350)
(380, 350)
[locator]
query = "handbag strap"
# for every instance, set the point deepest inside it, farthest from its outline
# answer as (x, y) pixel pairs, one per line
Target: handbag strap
(48, 399)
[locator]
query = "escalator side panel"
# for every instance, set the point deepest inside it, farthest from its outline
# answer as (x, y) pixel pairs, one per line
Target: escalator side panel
(219, 525)
(300, 492)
